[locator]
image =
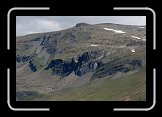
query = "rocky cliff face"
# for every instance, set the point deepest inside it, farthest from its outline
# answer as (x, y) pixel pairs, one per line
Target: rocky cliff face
(100, 50)
(87, 62)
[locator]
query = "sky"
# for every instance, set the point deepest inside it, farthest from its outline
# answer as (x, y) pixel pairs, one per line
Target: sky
(38, 24)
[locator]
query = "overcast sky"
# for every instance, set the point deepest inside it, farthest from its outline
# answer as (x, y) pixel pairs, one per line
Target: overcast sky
(36, 24)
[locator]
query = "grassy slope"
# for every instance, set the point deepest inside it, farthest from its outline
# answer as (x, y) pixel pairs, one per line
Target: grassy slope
(125, 88)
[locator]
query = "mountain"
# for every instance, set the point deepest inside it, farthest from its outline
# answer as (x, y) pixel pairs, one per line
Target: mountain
(85, 62)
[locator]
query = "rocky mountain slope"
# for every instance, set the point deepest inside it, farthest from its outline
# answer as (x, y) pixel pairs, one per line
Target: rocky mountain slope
(53, 64)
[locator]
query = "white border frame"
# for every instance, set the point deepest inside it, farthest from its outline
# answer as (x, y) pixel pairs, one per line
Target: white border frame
(154, 48)
(48, 109)
(19, 8)
(19, 109)
(8, 48)
(154, 98)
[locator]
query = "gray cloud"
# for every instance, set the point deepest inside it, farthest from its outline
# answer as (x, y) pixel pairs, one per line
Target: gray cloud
(36, 24)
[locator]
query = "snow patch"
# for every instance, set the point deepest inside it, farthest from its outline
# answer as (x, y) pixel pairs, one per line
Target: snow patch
(143, 39)
(94, 45)
(133, 50)
(136, 37)
(116, 31)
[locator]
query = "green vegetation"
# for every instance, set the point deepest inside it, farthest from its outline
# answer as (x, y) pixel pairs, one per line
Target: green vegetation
(130, 87)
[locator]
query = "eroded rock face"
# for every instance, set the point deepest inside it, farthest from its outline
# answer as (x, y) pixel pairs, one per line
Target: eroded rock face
(117, 65)
(85, 63)
(45, 40)
(32, 66)
(22, 58)
(88, 62)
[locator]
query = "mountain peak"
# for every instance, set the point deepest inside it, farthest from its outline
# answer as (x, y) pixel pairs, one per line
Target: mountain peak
(82, 24)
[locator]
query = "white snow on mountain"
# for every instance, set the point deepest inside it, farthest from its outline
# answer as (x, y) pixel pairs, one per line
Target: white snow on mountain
(94, 45)
(133, 50)
(116, 31)
(143, 39)
(136, 37)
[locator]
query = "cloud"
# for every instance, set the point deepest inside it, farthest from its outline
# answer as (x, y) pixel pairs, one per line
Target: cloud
(48, 25)
(26, 25)
(37, 24)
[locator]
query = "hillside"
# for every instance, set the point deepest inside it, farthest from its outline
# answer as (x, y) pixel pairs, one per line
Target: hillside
(86, 62)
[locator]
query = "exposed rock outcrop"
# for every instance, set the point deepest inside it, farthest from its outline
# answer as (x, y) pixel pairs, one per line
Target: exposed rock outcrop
(117, 65)
(81, 24)
(32, 66)
(88, 62)
(22, 58)
(85, 63)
